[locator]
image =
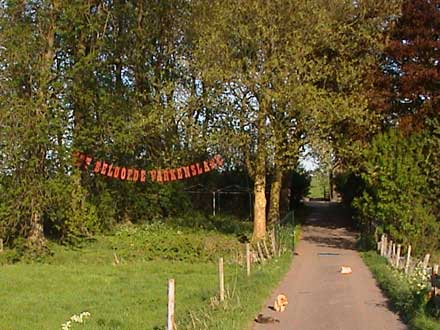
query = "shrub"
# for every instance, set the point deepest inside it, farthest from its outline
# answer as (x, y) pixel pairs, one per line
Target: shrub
(396, 198)
(349, 185)
(300, 184)
(160, 241)
(223, 223)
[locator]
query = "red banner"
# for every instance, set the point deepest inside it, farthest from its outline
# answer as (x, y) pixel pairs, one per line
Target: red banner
(84, 162)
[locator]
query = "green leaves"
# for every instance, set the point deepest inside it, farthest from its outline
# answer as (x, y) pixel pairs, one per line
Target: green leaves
(397, 196)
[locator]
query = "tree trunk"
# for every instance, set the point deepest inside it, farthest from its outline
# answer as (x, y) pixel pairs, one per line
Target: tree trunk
(36, 232)
(275, 193)
(260, 181)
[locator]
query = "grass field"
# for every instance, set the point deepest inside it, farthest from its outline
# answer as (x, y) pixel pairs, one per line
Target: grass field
(319, 186)
(133, 294)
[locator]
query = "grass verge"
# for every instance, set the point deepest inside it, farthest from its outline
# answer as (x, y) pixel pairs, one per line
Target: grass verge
(406, 299)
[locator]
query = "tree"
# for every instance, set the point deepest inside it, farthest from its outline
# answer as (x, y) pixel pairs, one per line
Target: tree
(274, 55)
(345, 121)
(29, 101)
(407, 91)
(95, 76)
(397, 198)
(259, 58)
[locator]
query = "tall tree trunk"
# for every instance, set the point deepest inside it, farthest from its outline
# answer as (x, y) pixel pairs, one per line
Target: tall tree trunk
(260, 180)
(275, 193)
(36, 230)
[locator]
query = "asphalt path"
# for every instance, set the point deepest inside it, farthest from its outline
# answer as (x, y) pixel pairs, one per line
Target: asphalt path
(320, 297)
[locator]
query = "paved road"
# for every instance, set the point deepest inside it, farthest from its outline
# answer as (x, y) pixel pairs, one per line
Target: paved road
(320, 298)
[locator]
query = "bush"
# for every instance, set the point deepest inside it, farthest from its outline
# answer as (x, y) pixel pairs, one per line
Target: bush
(223, 223)
(300, 184)
(69, 216)
(349, 185)
(161, 241)
(396, 198)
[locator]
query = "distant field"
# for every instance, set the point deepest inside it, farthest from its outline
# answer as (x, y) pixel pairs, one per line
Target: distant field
(318, 187)
(133, 295)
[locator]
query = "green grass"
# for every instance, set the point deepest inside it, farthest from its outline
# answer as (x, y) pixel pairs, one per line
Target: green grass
(133, 294)
(318, 186)
(246, 295)
(245, 300)
(406, 300)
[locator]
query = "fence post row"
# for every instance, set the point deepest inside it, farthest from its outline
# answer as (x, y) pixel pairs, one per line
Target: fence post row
(392, 251)
(171, 282)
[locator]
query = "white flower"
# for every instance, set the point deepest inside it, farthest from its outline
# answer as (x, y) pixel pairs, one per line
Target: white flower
(75, 318)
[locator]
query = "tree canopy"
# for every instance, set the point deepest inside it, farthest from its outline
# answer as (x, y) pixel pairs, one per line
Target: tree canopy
(153, 84)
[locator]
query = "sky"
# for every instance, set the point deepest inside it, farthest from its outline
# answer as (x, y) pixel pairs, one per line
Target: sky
(307, 161)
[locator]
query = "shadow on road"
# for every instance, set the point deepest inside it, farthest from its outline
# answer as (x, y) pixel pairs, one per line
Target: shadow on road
(329, 225)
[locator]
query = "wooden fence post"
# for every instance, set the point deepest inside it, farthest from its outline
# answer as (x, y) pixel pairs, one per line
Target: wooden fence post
(391, 252)
(171, 296)
(221, 279)
(248, 259)
(385, 248)
(260, 253)
(384, 245)
(274, 244)
(266, 250)
(390, 249)
(393, 255)
(398, 255)
(434, 276)
(380, 248)
(408, 259)
(280, 243)
(426, 261)
(1, 244)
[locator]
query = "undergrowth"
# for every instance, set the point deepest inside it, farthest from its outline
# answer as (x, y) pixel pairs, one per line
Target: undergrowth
(191, 237)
